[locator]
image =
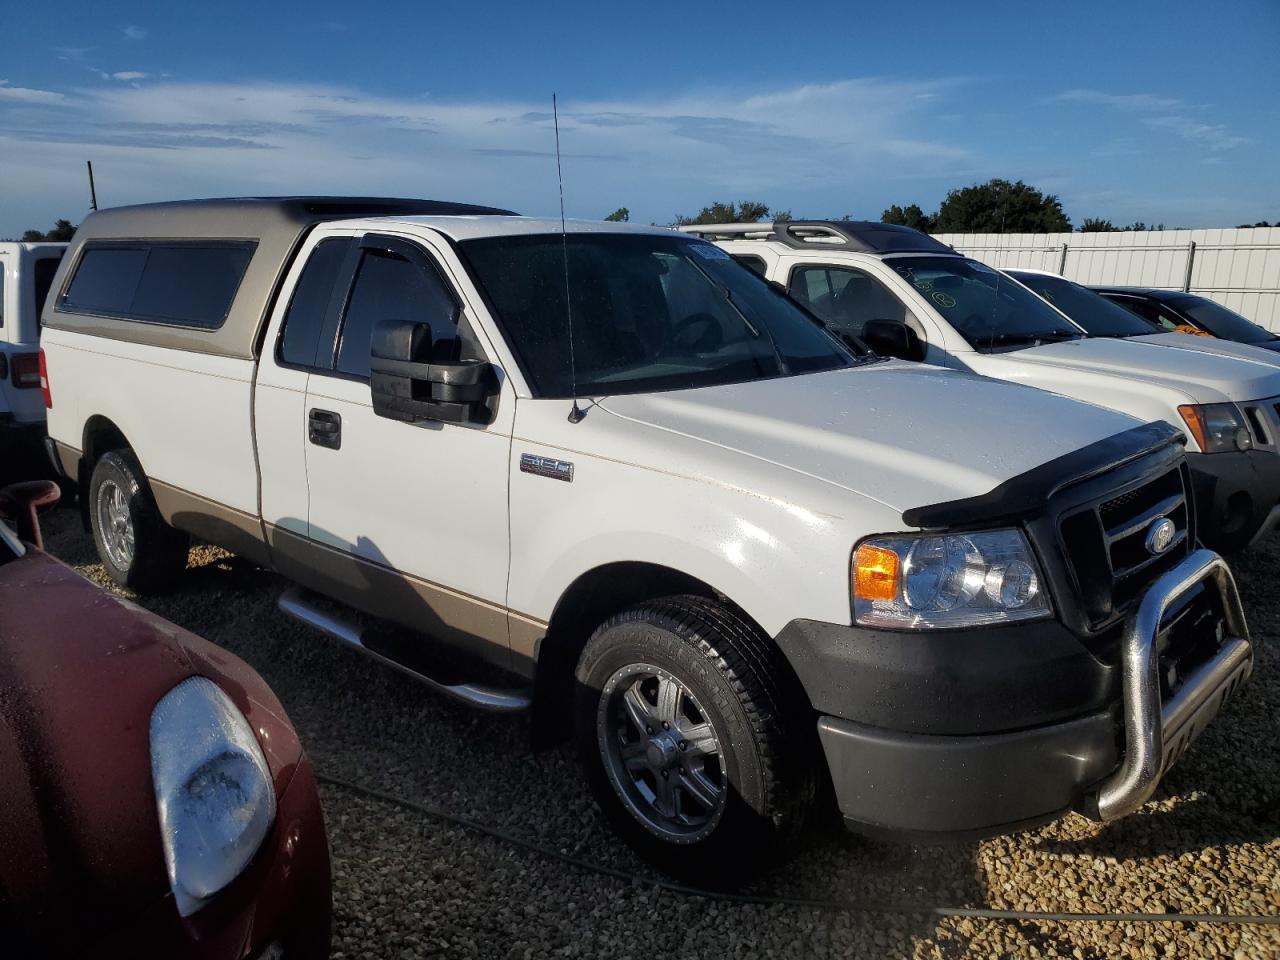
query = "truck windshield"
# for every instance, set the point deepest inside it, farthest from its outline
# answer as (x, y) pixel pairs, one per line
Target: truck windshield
(1220, 321)
(649, 313)
(988, 309)
(1098, 315)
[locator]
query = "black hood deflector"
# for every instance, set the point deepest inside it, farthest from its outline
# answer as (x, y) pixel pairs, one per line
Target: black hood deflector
(1026, 494)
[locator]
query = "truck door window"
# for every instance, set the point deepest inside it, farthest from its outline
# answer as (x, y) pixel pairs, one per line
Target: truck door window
(310, 302)
(388, 287)
(844, 298)
(45, 269)
(1, 296)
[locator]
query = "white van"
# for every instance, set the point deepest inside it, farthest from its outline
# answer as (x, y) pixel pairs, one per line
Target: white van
(910, 296)
(26, 273)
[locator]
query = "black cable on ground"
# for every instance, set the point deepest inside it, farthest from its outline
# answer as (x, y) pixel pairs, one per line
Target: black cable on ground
(828, 906)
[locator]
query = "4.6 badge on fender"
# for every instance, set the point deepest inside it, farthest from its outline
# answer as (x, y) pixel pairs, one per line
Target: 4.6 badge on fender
(546, 467)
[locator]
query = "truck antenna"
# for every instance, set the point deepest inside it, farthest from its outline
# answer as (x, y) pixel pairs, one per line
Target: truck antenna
(576, 413)
(995, 300)
(93, 193)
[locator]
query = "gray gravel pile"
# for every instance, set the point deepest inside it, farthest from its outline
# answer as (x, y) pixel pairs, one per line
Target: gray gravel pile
(406, 886)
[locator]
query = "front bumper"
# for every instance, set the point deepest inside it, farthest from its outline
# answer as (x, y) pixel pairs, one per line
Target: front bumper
(1237, 496)
(1157, 733)
(1104, 761)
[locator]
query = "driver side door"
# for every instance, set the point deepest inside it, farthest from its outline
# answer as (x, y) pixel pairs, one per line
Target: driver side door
(408, 520)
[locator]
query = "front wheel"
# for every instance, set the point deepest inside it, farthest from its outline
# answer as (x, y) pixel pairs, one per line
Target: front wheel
(137, 548)
(695, 739)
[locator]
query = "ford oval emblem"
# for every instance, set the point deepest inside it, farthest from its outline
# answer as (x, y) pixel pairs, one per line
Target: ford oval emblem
(1160, 535)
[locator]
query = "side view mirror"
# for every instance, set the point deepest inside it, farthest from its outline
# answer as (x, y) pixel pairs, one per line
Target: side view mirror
(21, 502)
(893, 338)
(407, 385)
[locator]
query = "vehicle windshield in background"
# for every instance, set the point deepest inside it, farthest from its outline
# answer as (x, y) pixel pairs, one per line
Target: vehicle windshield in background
(965, 293)
(1098, 315)
(650, 313)
(1220, 321)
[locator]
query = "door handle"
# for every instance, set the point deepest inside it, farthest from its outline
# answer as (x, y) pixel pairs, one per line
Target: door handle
(324, 428)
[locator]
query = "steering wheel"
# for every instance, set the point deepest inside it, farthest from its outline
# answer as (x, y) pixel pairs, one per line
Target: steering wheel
(709, 337)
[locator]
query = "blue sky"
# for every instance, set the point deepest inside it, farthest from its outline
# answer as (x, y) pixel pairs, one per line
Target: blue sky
(1157, 111)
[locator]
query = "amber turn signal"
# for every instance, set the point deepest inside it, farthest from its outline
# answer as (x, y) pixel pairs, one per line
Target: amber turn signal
(875, 573)
(1194, 420)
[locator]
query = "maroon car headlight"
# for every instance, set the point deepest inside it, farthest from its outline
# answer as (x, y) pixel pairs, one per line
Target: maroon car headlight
(213, 790)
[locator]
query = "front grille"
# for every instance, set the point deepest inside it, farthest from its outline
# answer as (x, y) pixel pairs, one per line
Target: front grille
(1264, 422)
(1260, 436)
(1106, 543)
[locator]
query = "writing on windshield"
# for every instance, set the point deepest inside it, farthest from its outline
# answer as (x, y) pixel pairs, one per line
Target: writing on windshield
(985, 307)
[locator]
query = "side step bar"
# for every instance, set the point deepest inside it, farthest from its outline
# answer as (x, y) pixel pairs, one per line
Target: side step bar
(295, 603)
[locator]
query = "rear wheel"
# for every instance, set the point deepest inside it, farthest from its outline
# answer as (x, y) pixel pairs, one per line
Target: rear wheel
(696, 743)
(137, 548)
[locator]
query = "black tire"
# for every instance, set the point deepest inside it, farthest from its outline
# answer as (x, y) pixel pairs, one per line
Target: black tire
(159, 552)
(737, 681)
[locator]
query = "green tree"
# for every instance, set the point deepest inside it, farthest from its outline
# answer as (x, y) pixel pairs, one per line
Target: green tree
(748, 211)
(61, 233)
(999, 206)
(910, 216)
(621, 215)
(1140, 226)
(1097, 225)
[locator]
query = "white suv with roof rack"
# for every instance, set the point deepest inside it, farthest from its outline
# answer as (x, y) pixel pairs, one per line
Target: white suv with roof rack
(727, 553)
(910, 296)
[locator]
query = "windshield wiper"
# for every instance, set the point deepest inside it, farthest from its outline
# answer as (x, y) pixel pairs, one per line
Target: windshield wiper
(783, 369)
(1052, 336)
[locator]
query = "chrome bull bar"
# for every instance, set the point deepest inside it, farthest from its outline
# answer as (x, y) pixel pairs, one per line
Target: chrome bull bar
(1156, 734)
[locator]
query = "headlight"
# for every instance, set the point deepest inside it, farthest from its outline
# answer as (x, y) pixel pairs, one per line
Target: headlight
(1217, 427)
(213, 790)
(953, 580)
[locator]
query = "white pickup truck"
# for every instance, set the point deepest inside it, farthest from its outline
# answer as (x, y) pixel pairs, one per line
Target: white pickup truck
(26, 271)
(910, 296)
(626, 483)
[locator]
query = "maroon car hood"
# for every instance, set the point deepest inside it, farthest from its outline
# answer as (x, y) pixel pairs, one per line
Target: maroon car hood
(80, 672)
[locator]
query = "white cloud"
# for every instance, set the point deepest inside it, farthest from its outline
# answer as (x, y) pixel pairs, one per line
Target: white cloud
(129, 75)
(26, 95)
(1129, 102)
(1164, 114)
(170, 139)
(1213, 135)
(134, 33)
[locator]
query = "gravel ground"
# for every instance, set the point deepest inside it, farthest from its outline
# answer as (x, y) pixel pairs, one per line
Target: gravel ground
(408, 887)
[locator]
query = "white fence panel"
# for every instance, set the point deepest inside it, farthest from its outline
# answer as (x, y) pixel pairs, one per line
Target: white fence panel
(1238, 268)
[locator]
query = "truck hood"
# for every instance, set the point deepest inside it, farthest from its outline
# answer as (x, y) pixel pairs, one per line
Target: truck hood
(1203, 376)
(902, 434)
(1265, 353)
